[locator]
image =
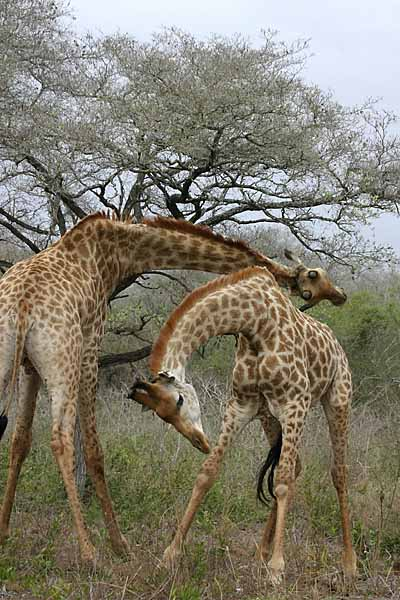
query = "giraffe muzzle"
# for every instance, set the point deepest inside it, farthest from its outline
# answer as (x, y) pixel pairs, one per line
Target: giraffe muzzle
(340, 297)
(199, 441)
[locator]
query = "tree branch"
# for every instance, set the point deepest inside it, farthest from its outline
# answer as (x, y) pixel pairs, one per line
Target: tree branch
(109, 360)
(20, 236)
(23, 224)
(54, 188)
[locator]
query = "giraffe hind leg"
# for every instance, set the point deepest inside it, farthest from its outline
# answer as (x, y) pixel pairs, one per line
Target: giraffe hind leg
(95, 460)
(7, 351)
(265, 547)
(337, 414)
(284, 483)
(64, 389)
(21, 442)
(273, 432)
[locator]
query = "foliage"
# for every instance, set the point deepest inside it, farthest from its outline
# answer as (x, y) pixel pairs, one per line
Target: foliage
(368, 327)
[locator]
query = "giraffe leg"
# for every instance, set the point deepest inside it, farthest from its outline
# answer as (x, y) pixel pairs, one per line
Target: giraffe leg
(292, 428)
(64, 397)
(21, 442)
(272, 430)
(337, 415)
(93, 452)
(235, 419)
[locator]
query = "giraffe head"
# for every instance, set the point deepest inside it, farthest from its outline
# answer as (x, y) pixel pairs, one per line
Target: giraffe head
(174, 402)
(314, 285)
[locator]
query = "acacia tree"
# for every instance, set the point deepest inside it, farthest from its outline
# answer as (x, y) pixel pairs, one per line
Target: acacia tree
(215, 131)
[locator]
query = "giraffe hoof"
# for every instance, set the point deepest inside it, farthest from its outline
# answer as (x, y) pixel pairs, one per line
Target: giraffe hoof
(276, 572)
(171, 558)
(350, 565)
(275, 577)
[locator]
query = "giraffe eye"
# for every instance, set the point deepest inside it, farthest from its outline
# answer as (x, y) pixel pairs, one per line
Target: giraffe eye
(313, 274)
(180, 401)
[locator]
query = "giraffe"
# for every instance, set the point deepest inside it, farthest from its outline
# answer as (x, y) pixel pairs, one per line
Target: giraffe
(52, 312)
(285, 362)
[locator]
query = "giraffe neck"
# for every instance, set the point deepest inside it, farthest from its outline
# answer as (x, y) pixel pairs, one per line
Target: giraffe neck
(158, 247)
(226, 310)
(112, 251)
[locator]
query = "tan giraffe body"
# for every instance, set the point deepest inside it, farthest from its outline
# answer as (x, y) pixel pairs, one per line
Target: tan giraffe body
(285, 363)
(52, 311)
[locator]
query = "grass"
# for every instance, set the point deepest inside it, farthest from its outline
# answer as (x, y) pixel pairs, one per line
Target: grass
(151, 472)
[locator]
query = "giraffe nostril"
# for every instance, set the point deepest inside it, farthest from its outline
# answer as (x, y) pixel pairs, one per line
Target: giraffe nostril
(200, 442)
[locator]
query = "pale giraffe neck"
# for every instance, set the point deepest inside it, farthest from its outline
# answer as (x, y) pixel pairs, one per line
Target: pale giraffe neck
(112, 251)
(230, 305)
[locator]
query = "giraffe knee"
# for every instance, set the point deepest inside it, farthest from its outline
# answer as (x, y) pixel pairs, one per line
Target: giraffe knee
(204, 481)
(56, 445)
(61, 445)
(207, 476)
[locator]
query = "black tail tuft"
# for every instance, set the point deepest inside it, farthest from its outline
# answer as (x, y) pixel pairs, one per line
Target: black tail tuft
(3, 424)
(270, 463)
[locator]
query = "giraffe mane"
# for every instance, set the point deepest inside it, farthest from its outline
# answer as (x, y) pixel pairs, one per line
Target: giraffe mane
(100, 216)
(201, 231)
(166, 332)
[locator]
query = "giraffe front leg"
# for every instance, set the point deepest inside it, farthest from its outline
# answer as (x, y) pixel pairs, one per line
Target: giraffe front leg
(204, 482)
(93, 452)
(235, 419)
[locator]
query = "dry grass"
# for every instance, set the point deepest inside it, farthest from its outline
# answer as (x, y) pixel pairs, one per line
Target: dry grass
(151, 472)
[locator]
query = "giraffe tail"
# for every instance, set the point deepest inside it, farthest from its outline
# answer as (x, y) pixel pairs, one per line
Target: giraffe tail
(20, 335)
(270, 464)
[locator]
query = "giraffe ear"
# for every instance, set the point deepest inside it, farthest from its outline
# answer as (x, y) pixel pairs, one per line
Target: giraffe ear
(293, 257)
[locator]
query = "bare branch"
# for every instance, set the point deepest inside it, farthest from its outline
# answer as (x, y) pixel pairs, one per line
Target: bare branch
(109, 360)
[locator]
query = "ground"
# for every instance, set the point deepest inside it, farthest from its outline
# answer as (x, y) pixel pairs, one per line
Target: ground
(151, 472)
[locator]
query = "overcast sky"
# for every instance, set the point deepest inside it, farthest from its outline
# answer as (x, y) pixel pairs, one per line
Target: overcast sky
(354, 44)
